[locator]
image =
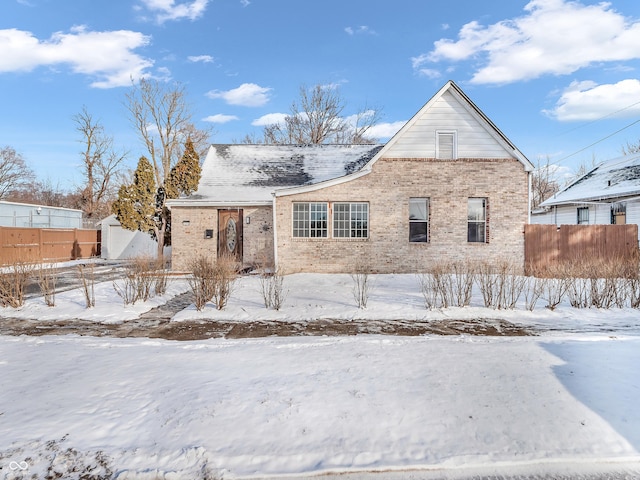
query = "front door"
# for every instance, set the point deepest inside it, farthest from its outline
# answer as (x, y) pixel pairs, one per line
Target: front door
(230, 233)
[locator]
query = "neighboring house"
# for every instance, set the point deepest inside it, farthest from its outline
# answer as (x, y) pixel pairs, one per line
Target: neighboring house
(448, 186)
(120, 244)
(608, 194)
(13, 214)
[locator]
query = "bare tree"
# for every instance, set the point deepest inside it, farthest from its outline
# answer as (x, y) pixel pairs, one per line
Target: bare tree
(317, 117)
(101, 165)
(14, 171)
(543, 183)
(162, 118)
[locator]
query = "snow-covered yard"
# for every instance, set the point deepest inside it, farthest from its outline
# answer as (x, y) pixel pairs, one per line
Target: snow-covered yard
(442, 407)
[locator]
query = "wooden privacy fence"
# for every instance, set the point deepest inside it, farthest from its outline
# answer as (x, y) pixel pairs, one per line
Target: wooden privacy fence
(549, 245)
(47, 244)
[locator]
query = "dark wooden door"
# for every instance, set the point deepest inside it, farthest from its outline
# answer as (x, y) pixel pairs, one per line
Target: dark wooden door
(230, 233)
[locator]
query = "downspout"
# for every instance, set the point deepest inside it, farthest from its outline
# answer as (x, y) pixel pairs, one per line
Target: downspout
(529, 197)
(275, 233)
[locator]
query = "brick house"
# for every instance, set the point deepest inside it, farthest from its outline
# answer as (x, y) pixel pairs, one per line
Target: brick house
(448, 185)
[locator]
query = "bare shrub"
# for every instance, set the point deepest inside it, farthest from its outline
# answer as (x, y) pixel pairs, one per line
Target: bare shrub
(447, 284)
(47, 277)
(213, 280)
(272, 287)
(144, 278)
(599, 283)
(88, 284)
(533, 289)
(556, 285)
(13, 280)
(429, 290)
(361, 284)
(501, 284)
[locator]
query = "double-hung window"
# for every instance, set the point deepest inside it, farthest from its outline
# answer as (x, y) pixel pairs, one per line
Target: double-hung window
(350, 220)
(310, 220)
(419, 220)
(477, 220)
(583, 216)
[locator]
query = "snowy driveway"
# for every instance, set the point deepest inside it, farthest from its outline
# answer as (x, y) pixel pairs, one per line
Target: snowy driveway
(301, 406)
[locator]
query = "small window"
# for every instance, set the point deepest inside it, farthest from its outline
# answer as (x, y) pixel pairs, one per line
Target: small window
(477, 220)
(419, 220)
(446, 145)
(583, 215)
(310, 220)
(350, 220)
(619, 213)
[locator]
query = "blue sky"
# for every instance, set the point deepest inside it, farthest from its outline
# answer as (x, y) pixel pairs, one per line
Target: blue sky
(559, 78)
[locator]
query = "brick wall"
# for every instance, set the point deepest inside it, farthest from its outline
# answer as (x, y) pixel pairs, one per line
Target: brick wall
(188, 225)
(448, 185)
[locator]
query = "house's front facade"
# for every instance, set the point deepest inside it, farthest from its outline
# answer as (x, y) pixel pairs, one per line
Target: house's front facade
(448, 186)
(607, 195)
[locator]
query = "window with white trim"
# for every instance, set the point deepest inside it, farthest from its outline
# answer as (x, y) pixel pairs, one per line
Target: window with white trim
(351, 220)
(310, 220)
(583, 216)
(418, 219)
(446, 145)
(477, 220)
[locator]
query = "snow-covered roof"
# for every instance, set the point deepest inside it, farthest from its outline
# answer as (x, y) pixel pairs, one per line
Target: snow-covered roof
(249, 174)
(613, 179)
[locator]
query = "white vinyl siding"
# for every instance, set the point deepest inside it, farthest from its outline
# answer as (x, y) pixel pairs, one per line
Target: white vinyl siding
(446, 113)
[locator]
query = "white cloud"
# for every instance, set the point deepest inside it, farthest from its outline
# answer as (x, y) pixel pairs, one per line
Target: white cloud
(361, 30)
(200, 58)
(245, 3)
(106, 56)
(170, 10)
(269, 119)
(385, 130)
(246, 95)
(554, 37)
(589, 101)
(220, 118)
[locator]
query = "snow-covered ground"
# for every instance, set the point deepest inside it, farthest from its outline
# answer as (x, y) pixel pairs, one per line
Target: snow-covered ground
(409, 407)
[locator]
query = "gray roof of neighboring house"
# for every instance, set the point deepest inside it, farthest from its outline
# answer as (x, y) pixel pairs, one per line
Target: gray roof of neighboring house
(616, 178)
(249, 174)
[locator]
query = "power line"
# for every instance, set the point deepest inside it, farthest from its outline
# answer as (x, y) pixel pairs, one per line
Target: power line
(598, 141)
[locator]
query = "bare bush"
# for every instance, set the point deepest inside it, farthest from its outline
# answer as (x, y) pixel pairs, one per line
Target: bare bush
(361, 284)
(13, 280)
(429, 290)
(501, 284)
(47, 278)
(213, 280)
(144, 278)
(601, 284)
(88, 284)
(272, 287)
(533, 289)
(447, 284)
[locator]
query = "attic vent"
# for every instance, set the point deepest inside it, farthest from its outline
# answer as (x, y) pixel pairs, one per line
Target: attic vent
(446, 145)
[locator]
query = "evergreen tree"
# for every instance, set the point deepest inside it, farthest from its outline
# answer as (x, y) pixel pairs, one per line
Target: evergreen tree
(185, 175)
(142, 204)
(135, 205)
